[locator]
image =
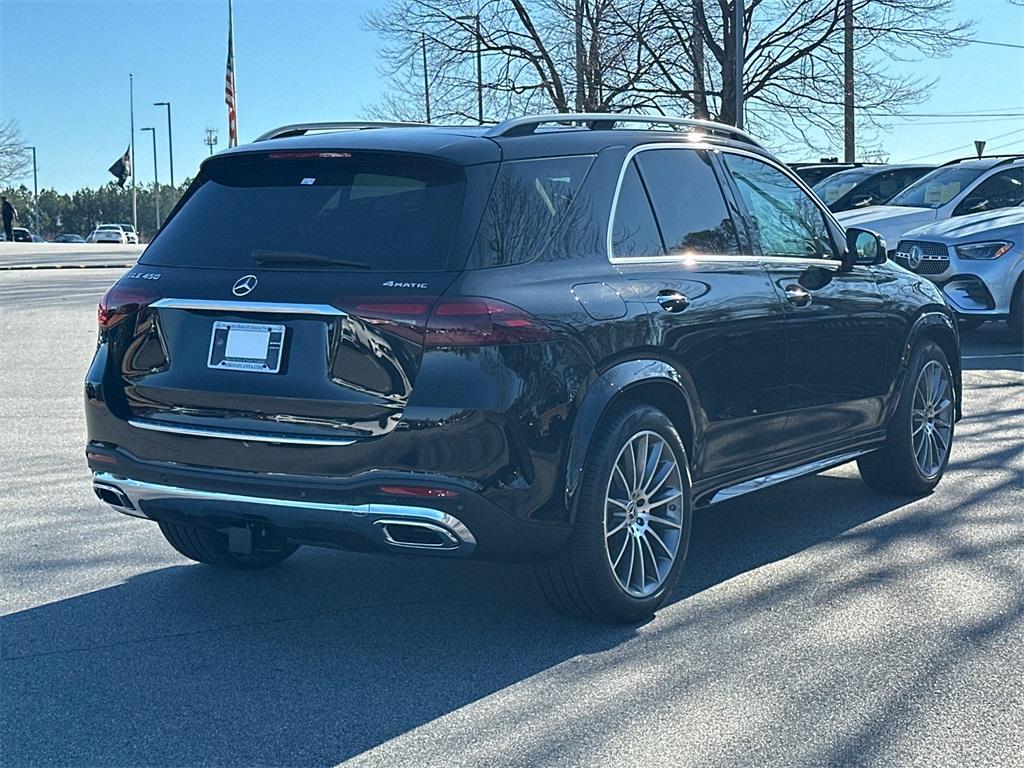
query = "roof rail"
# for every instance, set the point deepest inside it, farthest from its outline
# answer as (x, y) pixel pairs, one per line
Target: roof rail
(523, 126)
(1007, 158)
(301, 129)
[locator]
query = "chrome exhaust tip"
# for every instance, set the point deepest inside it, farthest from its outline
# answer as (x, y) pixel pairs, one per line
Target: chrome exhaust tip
(113, 496)
(417, 534)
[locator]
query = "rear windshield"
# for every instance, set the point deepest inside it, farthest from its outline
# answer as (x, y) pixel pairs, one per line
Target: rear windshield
(316, 210)
(937, 188)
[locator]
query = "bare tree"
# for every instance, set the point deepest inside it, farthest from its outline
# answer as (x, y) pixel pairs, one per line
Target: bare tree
(15, 160)
(661, 56)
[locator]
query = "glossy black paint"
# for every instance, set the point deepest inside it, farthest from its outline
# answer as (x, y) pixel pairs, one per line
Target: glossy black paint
(753, 383)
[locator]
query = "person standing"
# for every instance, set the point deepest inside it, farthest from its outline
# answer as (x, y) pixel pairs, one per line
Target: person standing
(10, 215)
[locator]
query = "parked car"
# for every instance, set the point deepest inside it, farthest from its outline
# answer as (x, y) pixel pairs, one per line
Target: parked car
(869, 185)
(812, 173)
(131, 236)
(21, 235)
(977, 260)
(39, 239)
(519, 342)
(954, 189)
(68, 237)
(108, 233)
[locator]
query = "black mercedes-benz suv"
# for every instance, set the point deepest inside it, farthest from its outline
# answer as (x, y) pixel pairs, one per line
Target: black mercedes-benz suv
(550, 340)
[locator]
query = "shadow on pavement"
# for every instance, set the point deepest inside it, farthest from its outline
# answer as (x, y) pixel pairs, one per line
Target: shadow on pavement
(332, 654)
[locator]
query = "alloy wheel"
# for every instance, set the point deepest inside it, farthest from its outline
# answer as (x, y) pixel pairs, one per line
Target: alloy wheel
(643, 516)
(932, 418)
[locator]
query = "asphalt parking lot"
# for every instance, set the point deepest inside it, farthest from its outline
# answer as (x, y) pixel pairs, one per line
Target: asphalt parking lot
(818, 623)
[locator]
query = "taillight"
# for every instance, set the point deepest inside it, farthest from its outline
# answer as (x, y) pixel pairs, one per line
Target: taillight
(120, 302)
(454, 322)
(476, 322)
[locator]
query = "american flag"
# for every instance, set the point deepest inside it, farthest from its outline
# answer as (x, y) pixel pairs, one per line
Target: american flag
(229, 85)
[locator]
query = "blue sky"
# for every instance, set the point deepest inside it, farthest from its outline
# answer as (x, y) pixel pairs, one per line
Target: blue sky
(64, 76)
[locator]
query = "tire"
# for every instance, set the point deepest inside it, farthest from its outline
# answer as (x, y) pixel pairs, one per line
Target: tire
(589, 578)
(967, 324)
(1015, 321)
(205, 545)
(916, 451)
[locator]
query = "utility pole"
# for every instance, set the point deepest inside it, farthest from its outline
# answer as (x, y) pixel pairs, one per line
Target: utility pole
(156, 178)
(210, 139)
(475, 18)
(700, 109)
(580, 79)
(426, 79)
(849, 137)
(170, 140)
(35, 193)
(737, 27)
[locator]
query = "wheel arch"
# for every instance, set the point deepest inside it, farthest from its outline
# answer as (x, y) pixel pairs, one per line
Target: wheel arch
(648, 381)
(940, 328)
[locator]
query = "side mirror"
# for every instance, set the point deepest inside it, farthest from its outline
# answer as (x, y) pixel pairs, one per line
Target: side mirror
(864, 248)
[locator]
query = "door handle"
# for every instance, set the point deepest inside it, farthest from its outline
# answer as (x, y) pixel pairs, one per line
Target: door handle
(797, 295)
(672, 301)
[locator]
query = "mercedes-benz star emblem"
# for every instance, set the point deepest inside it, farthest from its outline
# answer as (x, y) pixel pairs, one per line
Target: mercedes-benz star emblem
(243, 286)
(915, 256)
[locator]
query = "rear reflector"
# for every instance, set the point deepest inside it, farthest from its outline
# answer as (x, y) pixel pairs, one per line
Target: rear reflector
(418, 491)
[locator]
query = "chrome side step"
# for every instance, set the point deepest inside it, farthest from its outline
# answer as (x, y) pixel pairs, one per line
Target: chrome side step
(767, 481)
(395, 525)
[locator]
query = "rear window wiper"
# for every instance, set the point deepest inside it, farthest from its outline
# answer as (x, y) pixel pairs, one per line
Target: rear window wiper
(298, 257)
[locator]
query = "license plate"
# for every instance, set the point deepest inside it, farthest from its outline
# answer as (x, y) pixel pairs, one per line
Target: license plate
(252, 347)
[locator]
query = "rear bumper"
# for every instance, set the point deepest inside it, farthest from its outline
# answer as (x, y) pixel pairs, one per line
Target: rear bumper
(389, 525)
(350, 513)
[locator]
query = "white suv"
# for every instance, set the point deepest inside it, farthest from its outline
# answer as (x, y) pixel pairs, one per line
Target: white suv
(113, 233)
(131, 236)
(957, 188)
(977, 260)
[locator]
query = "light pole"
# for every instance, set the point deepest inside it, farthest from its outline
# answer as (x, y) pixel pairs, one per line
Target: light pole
(170, 139)
(426, 79)
(156, 179)
(479, 65)
(210, 139)
(35, 192)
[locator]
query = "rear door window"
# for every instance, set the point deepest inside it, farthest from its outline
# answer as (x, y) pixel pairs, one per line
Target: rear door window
(528, 202)
(316, 210)
(688, 202)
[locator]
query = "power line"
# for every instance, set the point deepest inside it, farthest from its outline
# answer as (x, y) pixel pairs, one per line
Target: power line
(964, 146)
(970, 41)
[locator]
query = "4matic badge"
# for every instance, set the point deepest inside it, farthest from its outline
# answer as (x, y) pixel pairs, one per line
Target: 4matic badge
(396, 284)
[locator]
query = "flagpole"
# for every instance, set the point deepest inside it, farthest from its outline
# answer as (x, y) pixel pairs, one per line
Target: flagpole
(135, 197)
(233, 117)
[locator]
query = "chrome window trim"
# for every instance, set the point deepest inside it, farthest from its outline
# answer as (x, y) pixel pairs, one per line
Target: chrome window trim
(227, 305)
(226, 434)
(680, 259)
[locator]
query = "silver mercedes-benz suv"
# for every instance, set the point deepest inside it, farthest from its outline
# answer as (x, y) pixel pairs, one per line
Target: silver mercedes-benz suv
(977, 260)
